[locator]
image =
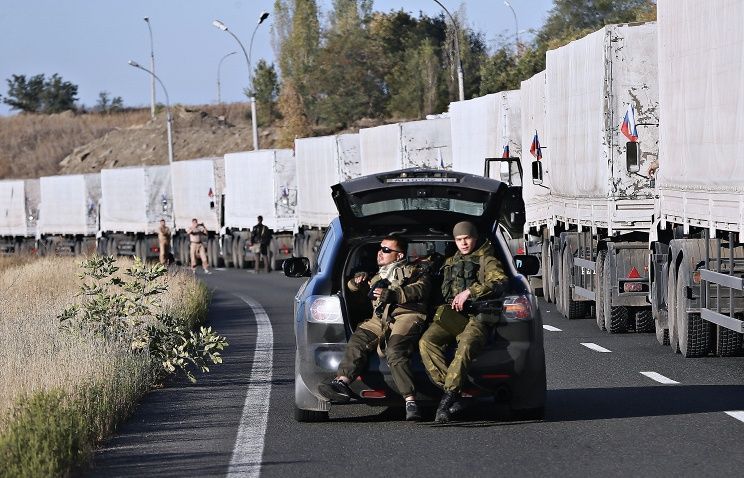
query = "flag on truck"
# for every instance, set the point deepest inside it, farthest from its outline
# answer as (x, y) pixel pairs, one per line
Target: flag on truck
(628, 128)
(535, 149)
(505, 154)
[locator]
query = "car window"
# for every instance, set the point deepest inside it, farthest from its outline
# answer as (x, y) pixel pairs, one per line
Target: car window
(325, 246)
(421, 204)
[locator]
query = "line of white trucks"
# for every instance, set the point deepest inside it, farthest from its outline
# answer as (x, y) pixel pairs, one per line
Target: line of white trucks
(659, 253)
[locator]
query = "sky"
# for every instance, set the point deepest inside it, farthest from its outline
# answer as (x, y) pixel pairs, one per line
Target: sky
(88, 42)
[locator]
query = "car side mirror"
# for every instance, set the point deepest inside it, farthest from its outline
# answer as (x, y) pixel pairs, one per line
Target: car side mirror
(632, 156)
(526, 265)
(537, 172)
(296, 267)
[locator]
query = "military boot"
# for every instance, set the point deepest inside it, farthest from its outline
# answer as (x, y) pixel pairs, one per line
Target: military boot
(443, 411)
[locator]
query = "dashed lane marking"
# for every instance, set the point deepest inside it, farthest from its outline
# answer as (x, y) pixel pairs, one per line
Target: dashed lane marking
(739, 415)
(551, 328)
(249, 443)
(659, 378)
(595, 347)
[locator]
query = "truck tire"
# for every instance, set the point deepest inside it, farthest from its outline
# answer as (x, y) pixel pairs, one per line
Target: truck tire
(227, 251)
(78, 248)
(140, 249)
(644, 320)
(102, 246)
(598, 298)
(212, 252)
(544, 265)
(694, 332)
(309, 416)
(728, 342)
(661, 318)
(112, 247)
(672, 309)
(573, 309)
(616, 318)
(240, 253)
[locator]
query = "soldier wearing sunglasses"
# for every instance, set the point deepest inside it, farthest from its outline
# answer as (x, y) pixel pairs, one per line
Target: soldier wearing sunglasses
(398, 292)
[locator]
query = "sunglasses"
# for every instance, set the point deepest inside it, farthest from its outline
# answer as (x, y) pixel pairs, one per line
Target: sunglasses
(387, 250)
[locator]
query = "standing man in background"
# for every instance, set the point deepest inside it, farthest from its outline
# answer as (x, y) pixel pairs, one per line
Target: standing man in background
(164, 240)
(260, 240)
(197, 233)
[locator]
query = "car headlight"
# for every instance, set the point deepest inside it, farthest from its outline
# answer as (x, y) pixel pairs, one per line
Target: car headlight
(325, 309)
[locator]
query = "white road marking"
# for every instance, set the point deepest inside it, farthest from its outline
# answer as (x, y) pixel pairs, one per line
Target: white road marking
(595, 347)
(551, 328)
(249, 443)
(739, 415)
(659, 378)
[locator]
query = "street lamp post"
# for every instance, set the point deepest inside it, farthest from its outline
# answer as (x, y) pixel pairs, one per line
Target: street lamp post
(169, 118)
(516, 24)
(219, 65)
(252, 98)
(460, 80)
(152, 68)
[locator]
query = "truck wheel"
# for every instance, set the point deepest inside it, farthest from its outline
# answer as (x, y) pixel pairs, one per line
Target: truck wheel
(102, 246)
(544, 264)
(672, 310)
(694, 332)
(309, 416)
(598, 298)
(573, 309)
(616, 318)
(728, 342)
(644, 320)
(240, 253)
(212, 254)
(78, 248)
(227, 251)
(112, 247)
(558, 288)
(661, 326)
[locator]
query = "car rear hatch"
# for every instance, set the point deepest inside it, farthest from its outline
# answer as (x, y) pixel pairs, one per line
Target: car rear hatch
(416, 201)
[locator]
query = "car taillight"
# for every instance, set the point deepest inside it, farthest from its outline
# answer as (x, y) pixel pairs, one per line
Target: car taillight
(517, 307)
(633, 287)
(325, 310)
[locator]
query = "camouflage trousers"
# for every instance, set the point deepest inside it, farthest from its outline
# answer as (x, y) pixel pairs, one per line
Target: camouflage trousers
(401, 342)
(434, 343)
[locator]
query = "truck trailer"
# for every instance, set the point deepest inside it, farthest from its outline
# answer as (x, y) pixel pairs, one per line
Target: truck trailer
(321, 163)
(600, 204)
(69, 214)
(133, 201)
(696, 246)
(19, 199)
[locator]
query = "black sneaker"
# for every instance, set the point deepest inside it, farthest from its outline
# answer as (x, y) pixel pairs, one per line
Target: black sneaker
(412, 411)
(443, 411)
(336, 391)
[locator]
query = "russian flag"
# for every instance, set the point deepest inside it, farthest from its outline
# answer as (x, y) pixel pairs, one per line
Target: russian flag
(505, 154)
(535, 149)
(628, 128)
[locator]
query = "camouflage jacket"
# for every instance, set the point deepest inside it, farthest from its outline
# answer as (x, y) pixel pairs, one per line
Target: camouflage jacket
(480, 272)
(410, 283)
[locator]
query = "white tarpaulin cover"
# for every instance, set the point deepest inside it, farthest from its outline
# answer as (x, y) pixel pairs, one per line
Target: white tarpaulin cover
(321, 163)
(135, 199)
(533, 122)
(261, 183)
(701, 88)
(590, 83)
(422, 144)
(195, 193)
(19, 203)
(69, 204)
(482, 127)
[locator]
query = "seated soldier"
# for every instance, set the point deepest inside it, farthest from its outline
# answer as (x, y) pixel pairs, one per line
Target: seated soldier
(398, 293)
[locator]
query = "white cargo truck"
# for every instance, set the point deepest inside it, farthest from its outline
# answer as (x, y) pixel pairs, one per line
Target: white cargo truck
(415, 144)
(19, 213)
(697, 245)
(601, 202)
(69, 214)
(321, 163)
(133, 201)
(260, 183)
(197, 194)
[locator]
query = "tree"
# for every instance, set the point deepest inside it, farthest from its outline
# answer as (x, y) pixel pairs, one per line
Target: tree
(499, 73)
(295, 123)
(40, 95)
(106, 104)
(266, 89)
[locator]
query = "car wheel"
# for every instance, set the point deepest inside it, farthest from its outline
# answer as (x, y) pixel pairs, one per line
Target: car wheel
(310, 416)
(598, 298)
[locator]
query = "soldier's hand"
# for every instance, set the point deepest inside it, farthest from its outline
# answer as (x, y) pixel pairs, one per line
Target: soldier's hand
(458, 303)
(387, 296)
(360, 277)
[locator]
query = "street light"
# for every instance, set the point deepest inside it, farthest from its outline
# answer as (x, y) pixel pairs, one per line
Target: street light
(219, 65)
(152, 67)
(169, 118)
(516, 24)
(460, 80)
(223, 27)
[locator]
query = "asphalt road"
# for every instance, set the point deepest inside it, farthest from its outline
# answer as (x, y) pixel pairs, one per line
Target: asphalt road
(603, 415)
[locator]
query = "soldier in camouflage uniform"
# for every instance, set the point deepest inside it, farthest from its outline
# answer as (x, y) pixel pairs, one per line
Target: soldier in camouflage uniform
(399, 292)
(472, 273)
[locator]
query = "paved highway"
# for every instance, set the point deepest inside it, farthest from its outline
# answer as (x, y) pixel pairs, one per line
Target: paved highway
(617, 405)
